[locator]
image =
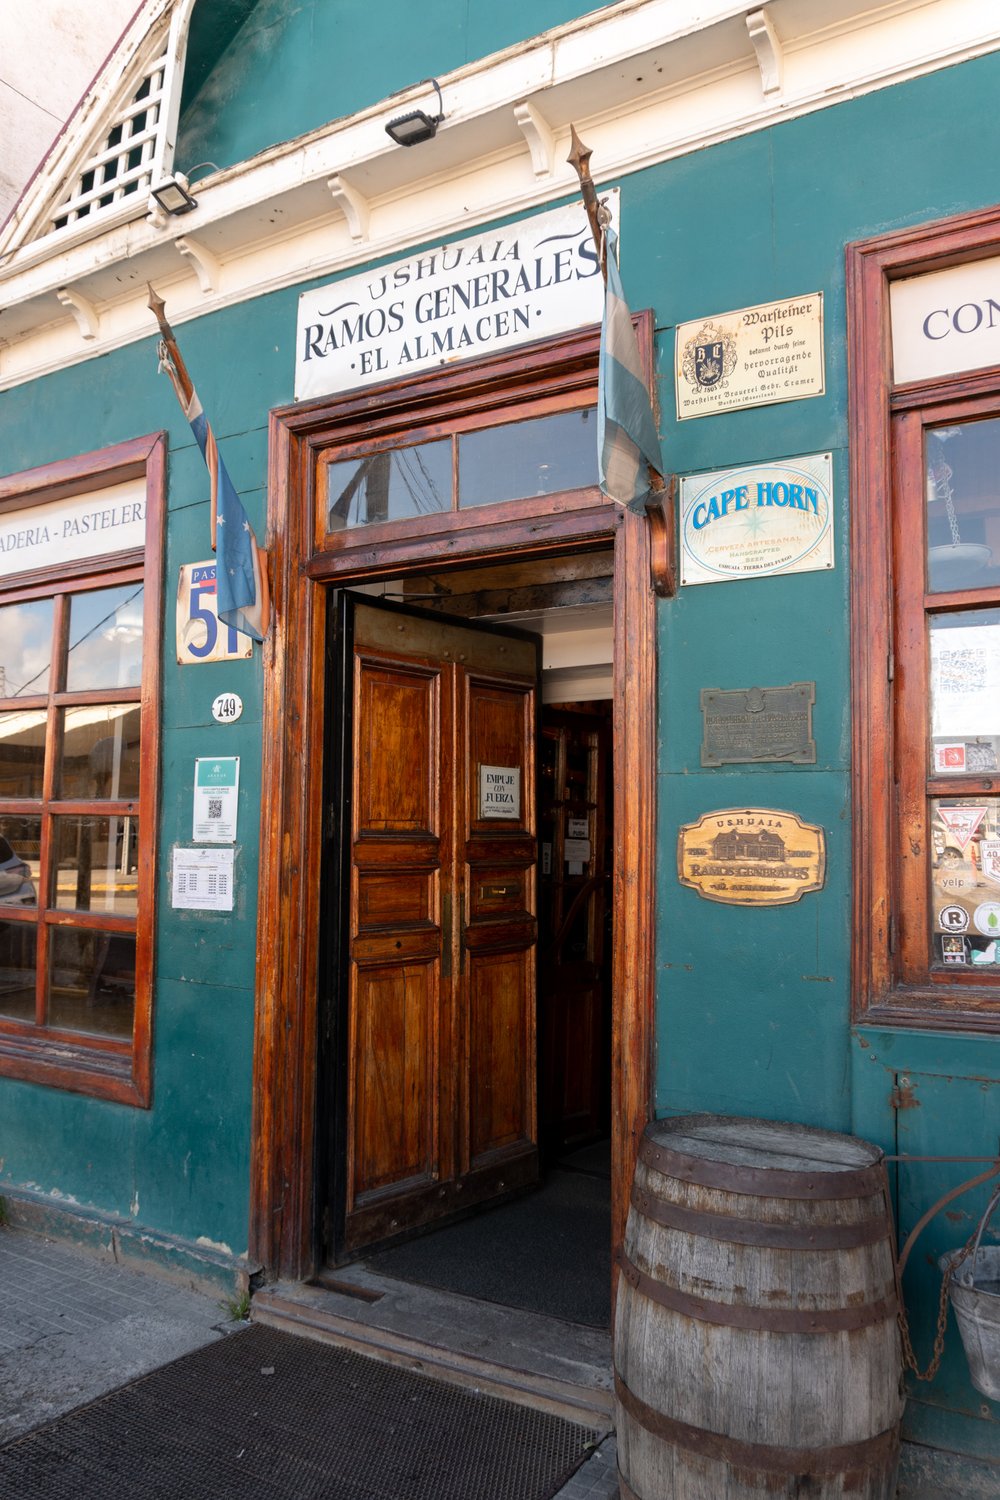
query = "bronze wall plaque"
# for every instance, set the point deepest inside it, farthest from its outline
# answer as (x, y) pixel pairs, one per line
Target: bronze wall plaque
(758, 724)
(751, 856)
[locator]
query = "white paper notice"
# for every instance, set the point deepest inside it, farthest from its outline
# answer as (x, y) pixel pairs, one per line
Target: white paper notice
(499, 792)
(965, 681)
(202, 879)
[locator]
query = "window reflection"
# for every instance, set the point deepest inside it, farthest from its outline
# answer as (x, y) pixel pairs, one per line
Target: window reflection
(519, 459)
(17, 970)
(391, 486)
(105, 639)
(92, 981)
(100, 756)
(963, 505)
(97, 864)
(20, 849)
(22, 753)
(25, 648)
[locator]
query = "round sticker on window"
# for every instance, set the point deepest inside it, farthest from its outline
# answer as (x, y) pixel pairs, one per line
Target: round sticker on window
(954, 918)
(987, 918)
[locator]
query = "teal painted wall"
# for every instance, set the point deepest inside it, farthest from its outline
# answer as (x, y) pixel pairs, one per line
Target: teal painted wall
(752, 1006)
(305, 62)
(182, 1167)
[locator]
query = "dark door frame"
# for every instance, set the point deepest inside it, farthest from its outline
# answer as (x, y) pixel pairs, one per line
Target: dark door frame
(284, 1232)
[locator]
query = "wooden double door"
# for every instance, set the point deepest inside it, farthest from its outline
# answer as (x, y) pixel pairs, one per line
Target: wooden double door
(435, 963)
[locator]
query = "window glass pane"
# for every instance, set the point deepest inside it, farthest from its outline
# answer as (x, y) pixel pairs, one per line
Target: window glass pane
(389, 486)
(20, 844)
(965, 882)
(965, 693)
(92, 981)
(963, 505)
(17, 970)
(25, 648)
(105, 639)
(22, 753)
(101, 751)
(96, 864)
(538, 457)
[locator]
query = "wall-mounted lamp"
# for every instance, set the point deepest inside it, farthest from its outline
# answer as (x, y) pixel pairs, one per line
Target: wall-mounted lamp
(417, 126)
(174, 194)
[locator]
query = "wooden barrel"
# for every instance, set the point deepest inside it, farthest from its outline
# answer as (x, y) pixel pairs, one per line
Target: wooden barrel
(756, 1345)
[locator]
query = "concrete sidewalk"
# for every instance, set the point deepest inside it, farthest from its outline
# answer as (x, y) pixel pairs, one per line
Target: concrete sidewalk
(74, 1326)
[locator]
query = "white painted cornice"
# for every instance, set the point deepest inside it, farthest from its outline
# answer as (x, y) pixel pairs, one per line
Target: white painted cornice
(644, 81)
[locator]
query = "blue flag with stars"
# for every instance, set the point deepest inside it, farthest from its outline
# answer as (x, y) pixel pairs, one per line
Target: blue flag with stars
(242, 594)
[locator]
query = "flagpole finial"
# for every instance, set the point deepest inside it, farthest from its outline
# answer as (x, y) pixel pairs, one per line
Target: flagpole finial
(156, 305)
(579, 156)
(579, 160)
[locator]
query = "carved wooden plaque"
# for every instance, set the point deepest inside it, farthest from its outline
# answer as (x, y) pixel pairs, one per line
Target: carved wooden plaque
(751, 856)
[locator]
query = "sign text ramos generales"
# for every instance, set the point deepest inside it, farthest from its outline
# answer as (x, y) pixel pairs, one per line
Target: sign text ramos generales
(472, 297)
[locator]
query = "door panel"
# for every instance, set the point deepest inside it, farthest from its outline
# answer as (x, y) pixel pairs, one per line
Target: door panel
(395, 1076)
(441, 927)
(502, 1111)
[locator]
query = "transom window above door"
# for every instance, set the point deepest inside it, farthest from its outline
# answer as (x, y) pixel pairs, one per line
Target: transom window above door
(430, 464)
(482, 466)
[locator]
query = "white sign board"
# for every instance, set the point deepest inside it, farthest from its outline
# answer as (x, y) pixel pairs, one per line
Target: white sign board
(752, 357)
(202, 879)
(757, 521)
(200, 636)
(216, 789)
(112, 519)
(946, 322)
(470, 297)
(500, 792)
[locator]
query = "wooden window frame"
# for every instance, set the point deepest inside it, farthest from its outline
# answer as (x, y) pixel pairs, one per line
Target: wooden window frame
(883, 420)
(98, 1066)
(559, 373)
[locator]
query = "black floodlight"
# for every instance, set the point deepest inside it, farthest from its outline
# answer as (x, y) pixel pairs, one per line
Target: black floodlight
(417, 126)
(174, 195)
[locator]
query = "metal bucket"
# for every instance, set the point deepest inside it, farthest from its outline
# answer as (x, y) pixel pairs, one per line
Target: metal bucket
(975, 1296)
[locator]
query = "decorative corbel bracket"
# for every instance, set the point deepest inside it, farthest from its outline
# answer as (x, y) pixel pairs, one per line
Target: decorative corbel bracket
(353, 205)
(538, 134)
(84, 311)
(660, 512)
(770, 56)
(207, 266)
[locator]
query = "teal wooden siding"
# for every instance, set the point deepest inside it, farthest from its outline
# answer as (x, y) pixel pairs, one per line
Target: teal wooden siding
(752, 1006)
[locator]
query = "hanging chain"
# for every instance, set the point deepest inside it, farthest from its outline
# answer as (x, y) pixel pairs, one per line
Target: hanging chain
(941, 474)
(910, 1361)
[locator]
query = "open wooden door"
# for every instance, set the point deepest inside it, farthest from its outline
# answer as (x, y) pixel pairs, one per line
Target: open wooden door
(438, 934)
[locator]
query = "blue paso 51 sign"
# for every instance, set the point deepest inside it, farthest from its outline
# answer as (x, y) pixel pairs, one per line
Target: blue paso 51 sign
(765, 518)
(471, 297)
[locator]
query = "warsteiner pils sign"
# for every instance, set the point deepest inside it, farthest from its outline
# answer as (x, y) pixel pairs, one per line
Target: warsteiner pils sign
(751, 856)
(752, 357)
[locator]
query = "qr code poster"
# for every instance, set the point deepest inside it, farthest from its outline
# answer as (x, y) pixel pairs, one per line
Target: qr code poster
(216, 790)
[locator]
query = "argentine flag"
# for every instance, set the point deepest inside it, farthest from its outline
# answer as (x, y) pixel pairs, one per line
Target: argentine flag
(627, 443)
(242, 595)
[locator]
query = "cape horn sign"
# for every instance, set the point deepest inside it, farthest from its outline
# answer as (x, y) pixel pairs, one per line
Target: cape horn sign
(751, 856)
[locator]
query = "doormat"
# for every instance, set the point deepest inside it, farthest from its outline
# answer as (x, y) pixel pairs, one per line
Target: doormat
(264, 1415)
(548, 1252)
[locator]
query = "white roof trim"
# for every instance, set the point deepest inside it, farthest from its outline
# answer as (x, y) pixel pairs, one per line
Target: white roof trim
(157, 30)
(645, 81)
